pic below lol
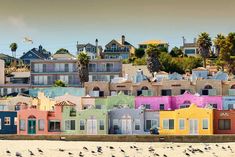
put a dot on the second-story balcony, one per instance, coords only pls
(116, 50)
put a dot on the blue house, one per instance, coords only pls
(228, 102)
(35, 54)
(8, 122)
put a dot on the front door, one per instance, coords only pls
(91, 126)
(126, 126)
(193, 127)
(31, 126)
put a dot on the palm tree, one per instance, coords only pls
(13, 48)
(83, 62)
(204, 46)
(217, 42)
(153, 63)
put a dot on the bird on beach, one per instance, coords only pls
(40, 151)
(8, 152)
(30, 153)
(61, 150)
(122, 150)
(18, 154)
(80, 154)
(85, 148)
(70, 153)
(164, 155)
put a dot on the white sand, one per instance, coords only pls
(51, 149)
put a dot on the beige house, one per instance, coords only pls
(44, 103)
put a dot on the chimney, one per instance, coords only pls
(183, 40)
(40, 48)
(123, 39)
(77, 47)
(97, 47)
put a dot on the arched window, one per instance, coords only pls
(208, 87)
(233, 86)
(96, 89)
(31, 117)
(187, 102)
(144, 88)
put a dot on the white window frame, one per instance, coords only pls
(9, 120)
(137, 122)
(41, 124)
(207, 124)
(181, 119)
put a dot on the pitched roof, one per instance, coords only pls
(200, 69)
(41, 53)
(157, 42)
(4, 56)
(65, 103)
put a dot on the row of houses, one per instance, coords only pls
(120, 114)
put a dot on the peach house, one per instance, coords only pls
(34, 121)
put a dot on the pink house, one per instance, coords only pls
(176, 102)
(153, 102)
(182, 101)
(34, 121)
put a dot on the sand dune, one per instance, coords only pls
(51, 149)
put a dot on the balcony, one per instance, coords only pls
(231, 92)
(116, 50)
(51, 114)
(210, 92)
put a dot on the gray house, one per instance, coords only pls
(132, 121)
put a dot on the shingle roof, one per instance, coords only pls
(65, 103)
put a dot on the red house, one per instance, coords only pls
(224, 121)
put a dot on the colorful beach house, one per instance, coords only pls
(183, 101)
(34, 121)
(224, 122)
(228, 102)
(8, 122)
(118, 101)
(187, 121)
(153, 102)
(84, 122)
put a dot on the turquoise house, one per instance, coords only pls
(53, 92)
(119, 101)
(90, 121)
(228, 102)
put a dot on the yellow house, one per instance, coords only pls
(44, 103)
(187, 121)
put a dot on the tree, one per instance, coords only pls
(59, 83)
(227, 52)
(62, 51)
(176, 52)
(204, 46)
(218, 42)
(83, 62)
(13, 48)
(139, 53)
(153, 63)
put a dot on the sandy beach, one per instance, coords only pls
(115, 149)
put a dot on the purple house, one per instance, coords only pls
(179, 101)
(153, 102)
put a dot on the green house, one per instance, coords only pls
(118, 101)
(84, 122)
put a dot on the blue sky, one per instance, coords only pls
(59, 23)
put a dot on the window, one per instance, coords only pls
(22, 125)
(82, 125)
(70, 125)
(162, 106)
(17, 107)
(115, 124)
(230, 106)
(168, 124)
(150, 124)
(54, 125)
(7, 121)
(0, 124)
(224, 124)
(184, 106)
(166, 92)
(181, 124)
(41, 124)
(15, 121)
(214, 106)
(147, 106)
(137, 124)
(101, 124)
(98, 106)
(205, 124)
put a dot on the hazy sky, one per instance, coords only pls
(61, 23)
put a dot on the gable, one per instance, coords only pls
(30, 55)
(113, 42)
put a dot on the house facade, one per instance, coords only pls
(35, 54)
(118, 49)
(187, 121)
(228, 102)
(8, 122)
(145, 44)
(190, 49)
(224, 122)
(153, 102)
